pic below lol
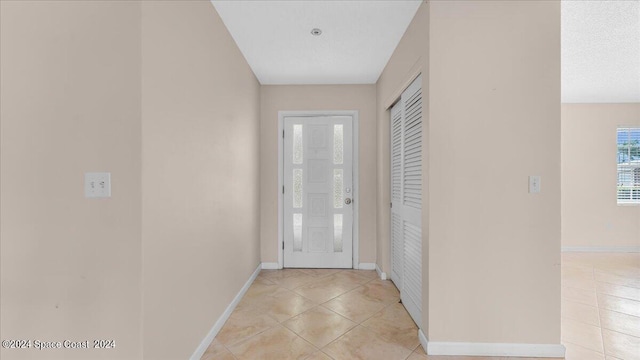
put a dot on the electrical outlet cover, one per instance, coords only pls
(534, 184)
(97, 185)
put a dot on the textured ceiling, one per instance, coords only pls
(600, 51)
(600, 42)
(358, 38)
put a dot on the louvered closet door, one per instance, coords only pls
(406, 197)
(397, 246)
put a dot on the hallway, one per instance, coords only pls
(349, 314)
(158, 156)
(321, 314)
(295, 313)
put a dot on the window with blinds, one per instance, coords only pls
(628, 141)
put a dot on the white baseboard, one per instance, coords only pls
(490, 349)
(423, 340)
(223, 318)
(383, 275)
(598, 249)
(367, 266)
(270, 266)
(493, 349)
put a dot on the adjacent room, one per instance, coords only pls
(600, 154)
(321, 180)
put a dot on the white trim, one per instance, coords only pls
(628, 203)
(597, 249)
(279, 189)
(356, 187)
(412, 74)
(367, 266)
(223, 318)
(271, 266)
(356, 177)
(424, 342)
(494, 349)
(383, 275)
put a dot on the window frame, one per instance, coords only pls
(627, 169)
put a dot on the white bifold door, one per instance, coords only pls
(406, 198)
(318, 192)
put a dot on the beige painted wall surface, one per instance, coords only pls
(410, 58)
(276, 98)
(70, 94)
(200, 122)
(494, 249)
(590, 214)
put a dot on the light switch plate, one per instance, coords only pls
(534, 184)
(97, 185)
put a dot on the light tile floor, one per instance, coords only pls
(601, 306)
(324, 314)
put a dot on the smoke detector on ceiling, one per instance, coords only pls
(316, 32)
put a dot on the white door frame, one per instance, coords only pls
(356, 183)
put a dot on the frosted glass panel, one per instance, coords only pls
(297, 232)
(297, 188)
(338, 143)
(337, 188)
(297, 144)
(337, 233)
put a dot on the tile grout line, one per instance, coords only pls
(580, 322)
(258, 333)
(226, 348)
(250, 337)
(338, 338)
(342, 293)
(621, 333)
(620, 312)
(305, 340)
(580, 289)
(384, 306)
(360, 282)
(617, 297)
(298, 294)
(374, 314)
(381, 335)
(585, 348)
(337, 313)
(612, 283)
(604, 348)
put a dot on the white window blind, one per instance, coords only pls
(628, 159)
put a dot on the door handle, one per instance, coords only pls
(347, 201)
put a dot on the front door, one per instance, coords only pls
(318, 192)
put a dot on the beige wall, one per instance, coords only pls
(200, 124)
(157, 93)
(495, 120)
(276, 98)
(493, 86)
(590, 215)
(410, 58)
(70, 94)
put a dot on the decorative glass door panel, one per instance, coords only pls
(318, 192)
